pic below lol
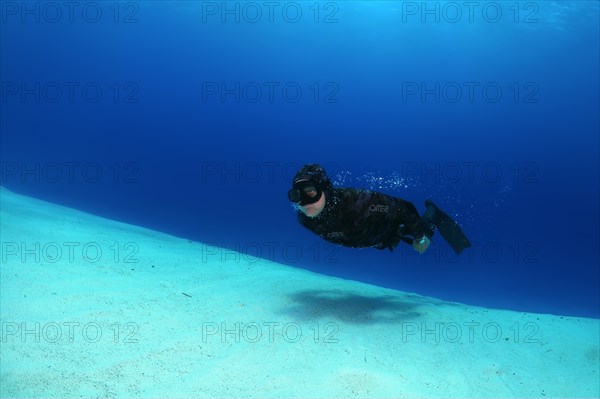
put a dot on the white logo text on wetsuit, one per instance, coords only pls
(335, 234)
(379, 208)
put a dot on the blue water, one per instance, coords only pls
(192, 117)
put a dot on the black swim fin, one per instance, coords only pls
(447, 227)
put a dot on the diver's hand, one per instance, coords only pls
(421, 244)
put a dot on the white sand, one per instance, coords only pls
(369, 341)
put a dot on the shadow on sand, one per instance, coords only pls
(351, 307)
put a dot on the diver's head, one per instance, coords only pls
(308, 189)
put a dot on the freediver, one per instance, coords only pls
(360, 218)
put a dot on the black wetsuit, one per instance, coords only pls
(363, 218)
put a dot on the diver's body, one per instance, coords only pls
(363, 218)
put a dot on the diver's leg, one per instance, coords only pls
(447, 227)
(430, 217)
(430, 212)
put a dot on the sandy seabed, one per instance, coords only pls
(90, 307)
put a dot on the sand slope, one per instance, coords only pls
(132, 312)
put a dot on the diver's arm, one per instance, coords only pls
(414, 225)
(381, 215)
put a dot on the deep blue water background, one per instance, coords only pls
(521, 174)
